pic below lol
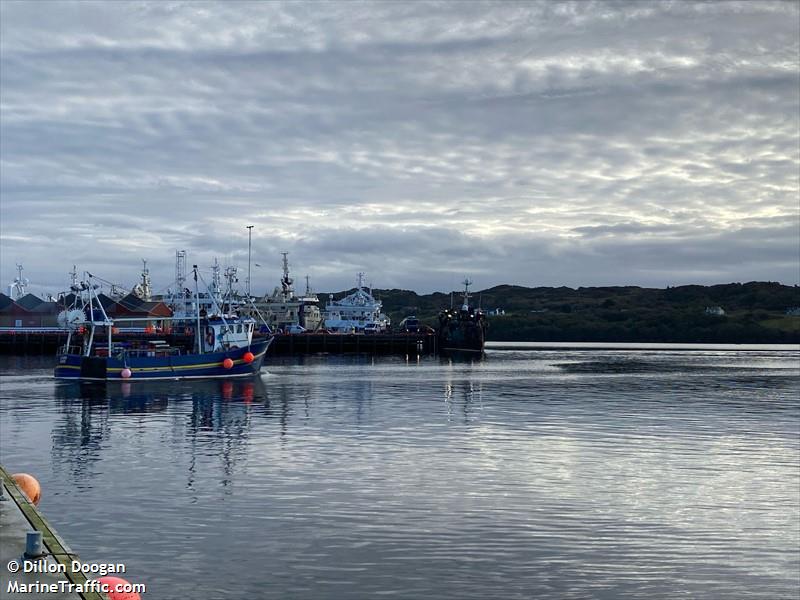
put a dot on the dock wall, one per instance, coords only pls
(39, 342)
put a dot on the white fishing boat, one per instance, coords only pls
(355, 312)
(284, 310)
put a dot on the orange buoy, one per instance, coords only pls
(116, 587)
(29, 486)
(248, 357)
(227, 363)
(126, 373)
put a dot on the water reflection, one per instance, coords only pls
(464, 398)
(615, 476)
(222, 408)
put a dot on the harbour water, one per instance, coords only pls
(557, 473)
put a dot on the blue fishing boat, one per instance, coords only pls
(217, 345)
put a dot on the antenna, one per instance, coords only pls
(286, 281)
(230, 277)
(215, 280)
(249, 248)
(180, 269)
(17, 289)
(145, 289)
(467, 282)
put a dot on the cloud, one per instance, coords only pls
(532, 143)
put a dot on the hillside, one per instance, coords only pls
(755, 312)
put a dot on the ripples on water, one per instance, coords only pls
(550, 474)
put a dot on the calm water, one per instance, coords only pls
(547, 474)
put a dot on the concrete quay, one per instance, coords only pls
(53, 574)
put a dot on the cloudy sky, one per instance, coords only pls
(536, 143)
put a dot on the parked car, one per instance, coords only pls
(409, 325)
(295, 329)
(371, 328)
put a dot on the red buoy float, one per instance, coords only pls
(29, 486)
(248, 357)
(126, 373)
(227, 363)
(116, 587)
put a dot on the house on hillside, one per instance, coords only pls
(716, 311)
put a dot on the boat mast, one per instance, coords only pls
(230, 278)
(87, 344)
(180, 271)
(92, 290)
(467, 282)
(197, 309)
(147, 292)
(215, 280)
(286, 281)
(17, 289)
(249, 248)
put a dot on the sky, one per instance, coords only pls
(533, 143)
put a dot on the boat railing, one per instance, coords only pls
(70, 349)
(151, 352)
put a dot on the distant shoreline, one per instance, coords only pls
(657, 346)
(757, 312)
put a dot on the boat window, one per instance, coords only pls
(239, 328)
(222, 330)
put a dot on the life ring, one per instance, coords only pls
(210, 336)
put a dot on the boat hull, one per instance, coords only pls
(463, 337)
(187, 366)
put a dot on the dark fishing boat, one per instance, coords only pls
(462, 330)
(219, 345)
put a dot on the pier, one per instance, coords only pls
(43, 341)
(355, 343)
(51, 559)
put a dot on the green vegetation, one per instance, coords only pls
(755, 312)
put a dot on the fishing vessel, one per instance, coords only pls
(355, 312)
(462, 330)
(219, 343)
(286, 311)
